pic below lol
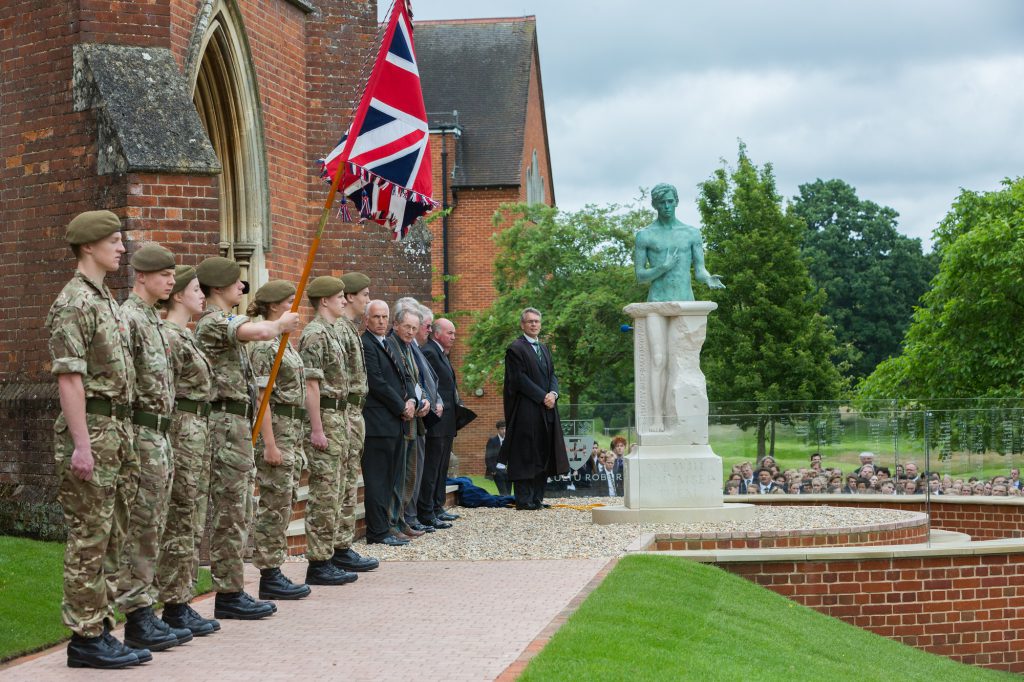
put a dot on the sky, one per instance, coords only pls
(908, 101)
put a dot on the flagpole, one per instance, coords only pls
(346, 152)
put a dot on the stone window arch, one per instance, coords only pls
(226, 95)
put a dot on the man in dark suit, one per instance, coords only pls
(535, 446)
(389, 408)
(440, 436)
(500, 476)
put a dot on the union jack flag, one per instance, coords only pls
(387, 166)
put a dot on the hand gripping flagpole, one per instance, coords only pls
(346, 152)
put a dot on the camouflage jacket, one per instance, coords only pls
(88, 336)
(352, 346)
(324, 358)
(217, 336)
(290, 384)
(193, 375)
(154, 383)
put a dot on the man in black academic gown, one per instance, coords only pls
(534, 446)
(389, 407)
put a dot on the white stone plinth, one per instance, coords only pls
(674, 476)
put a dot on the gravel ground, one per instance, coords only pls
(563, 533)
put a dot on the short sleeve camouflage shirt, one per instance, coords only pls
(193, 375)
(352, 346)
(154, 384)
(324, 358)
(217, 336)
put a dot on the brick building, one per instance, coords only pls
(199, 122)
(485, 104)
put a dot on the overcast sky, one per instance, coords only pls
(906, 100)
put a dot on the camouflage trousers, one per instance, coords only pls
(146, 520)
(350, 471)
(178, 566)
(231, 481)
(326, 485)
(277, 483)
(96, 513)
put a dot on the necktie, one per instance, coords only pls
(540, 356)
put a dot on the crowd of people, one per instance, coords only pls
(156, 426)
(867, 478)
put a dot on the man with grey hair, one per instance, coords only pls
(390, 405)
(534, 447)
(440, 435)
(401, 341)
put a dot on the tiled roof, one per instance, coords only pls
(480, 68)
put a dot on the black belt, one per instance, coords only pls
(194, 406)
(357, 400)
(232, 407)
(106, 408)
(157, 422)
(337, 404)
(293, 411)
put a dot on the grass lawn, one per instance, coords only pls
(663, 618)
(31, 586)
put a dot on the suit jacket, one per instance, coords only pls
(491, 455)
(599, 482)
(534, 442)
(389, 387)
(446, 387)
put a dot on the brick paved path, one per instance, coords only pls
(450, 621)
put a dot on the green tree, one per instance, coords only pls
(768, 344)
(873, 275)
(576, 268)
(966, 339)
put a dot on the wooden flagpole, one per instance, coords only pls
(346, 152)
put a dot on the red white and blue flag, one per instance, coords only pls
(386, 169)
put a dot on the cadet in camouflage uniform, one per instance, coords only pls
(96, 463)
(280, 448)
(357, 297)
(326, 404)
(221, 335)
(178, 566)
(151, 415)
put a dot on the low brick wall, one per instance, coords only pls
(966, 607)
(911, 531)
(983, 518)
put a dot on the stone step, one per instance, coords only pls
(947, 537)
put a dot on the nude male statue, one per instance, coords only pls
(664, 252)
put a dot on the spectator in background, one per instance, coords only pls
(732, 486)
(491, 453)
(747, 477)
(1015, 481)
(883, 473)
(910, 471)
(867, 458)
(608, 481)
(816, 461)
(765, 484)
(619, 450)
(909, 487)
(851, 485)
(887, 487)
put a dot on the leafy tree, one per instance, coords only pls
(576, 268)
(768, 342)
(873, 275)
(966, 339)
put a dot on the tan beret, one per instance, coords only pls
(275, 291)
(355, 282)
(92, 226)
(218, 272)
(324, 286)
(152, 258)
(183, 274)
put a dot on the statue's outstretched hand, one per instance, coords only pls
(715, 282)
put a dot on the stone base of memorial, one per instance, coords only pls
(674, 476)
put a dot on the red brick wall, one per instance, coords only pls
(536, 137)
(964, 607)
(905, 533)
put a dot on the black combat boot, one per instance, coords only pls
(241, 606)
(326, 573)
(182, 617)
(96, 652)
(145, 631)
(275, 585)
(114, 643)
(349, 560)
